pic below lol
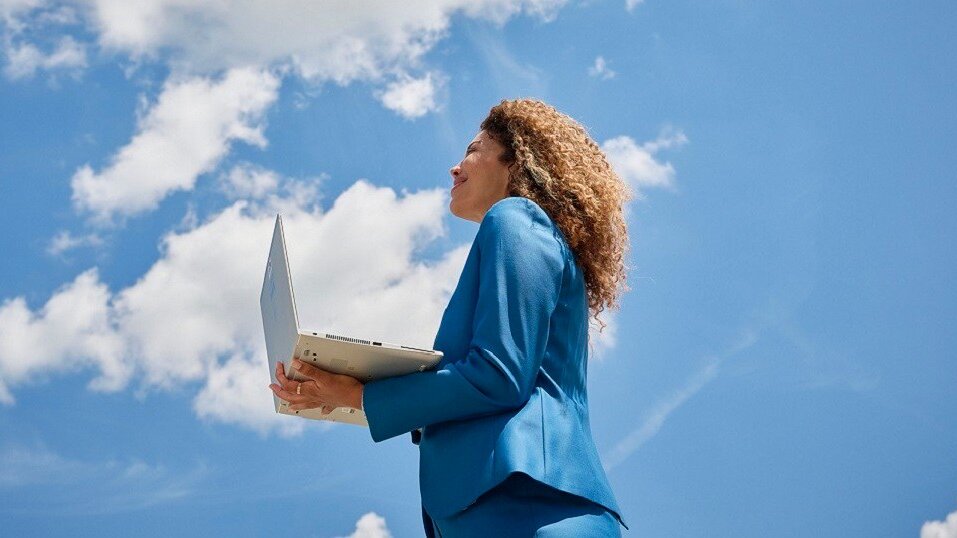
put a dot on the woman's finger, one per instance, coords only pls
(281, 372)
(286, 395)
(286, 383)
(312, 372)
(293, 386)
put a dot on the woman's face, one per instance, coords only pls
(479, 180)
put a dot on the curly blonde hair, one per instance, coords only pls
(554, 162)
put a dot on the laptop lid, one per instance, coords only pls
(277, 303)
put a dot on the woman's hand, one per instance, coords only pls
(323, 389)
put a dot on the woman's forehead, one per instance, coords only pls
(485, 139)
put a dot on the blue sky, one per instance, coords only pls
(784, 364)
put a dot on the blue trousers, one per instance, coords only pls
(522, 507)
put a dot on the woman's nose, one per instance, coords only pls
(455, 171)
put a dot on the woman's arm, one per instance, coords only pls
(520, 277)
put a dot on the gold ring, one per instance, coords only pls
(299, 388)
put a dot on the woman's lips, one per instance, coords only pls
(457, 183)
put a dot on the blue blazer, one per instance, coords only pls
(510, 392)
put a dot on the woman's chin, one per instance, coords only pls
(459, 209)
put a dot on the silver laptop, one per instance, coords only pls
(362, 359)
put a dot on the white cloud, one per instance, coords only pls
(499, 11)
(6, 398)
(64, 241)
(340, 41)
(197, 117)
(22, 19)
(336, 41)
(201, 299)
(24, 60)
(57, 15)
(601, 70)
(370, 525)
(637, 164)
(73, 330)
(247, 180)
(411, 97)
(185, 133)
(235, 394)
(194, 315)
(940, 529)
(11, 12)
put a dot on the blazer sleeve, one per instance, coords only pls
(520, 275)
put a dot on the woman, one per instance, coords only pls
(502, 422)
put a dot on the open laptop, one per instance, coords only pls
(360, 358)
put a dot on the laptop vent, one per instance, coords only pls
(347, 339)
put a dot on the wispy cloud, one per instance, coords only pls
(661, 411)
(24, 60)
(656, 418)
(83, 487)
(601, 70)
(630, 5)
(65, 241)
(507, 72)
(821, 366)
